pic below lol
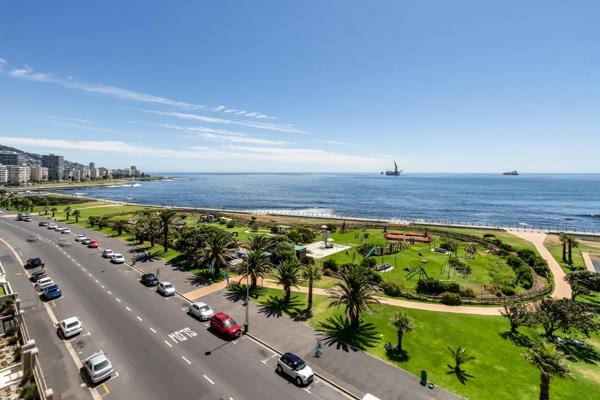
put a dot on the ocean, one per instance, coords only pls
(555, 201)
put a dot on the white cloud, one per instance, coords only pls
(84, 121)
(336, 142)
(220, 108)
(224, 136)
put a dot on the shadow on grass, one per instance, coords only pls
(585, 353)
(398, 356)
(461, 375)
(517, 338)
(237, 292)
(338, 332)
(276, 307)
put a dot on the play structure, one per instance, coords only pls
(408, 237)
(384, 249)
(411, 272)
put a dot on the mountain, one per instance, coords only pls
(36, 159)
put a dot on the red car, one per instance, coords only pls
(225, 325)
(93, 244)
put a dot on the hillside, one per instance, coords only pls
(35, 159)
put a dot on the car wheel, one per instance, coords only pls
(279, 369)
(299, 381)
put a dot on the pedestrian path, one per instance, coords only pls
(589, 265)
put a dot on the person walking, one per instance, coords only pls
(319, 349)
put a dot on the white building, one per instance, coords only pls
(39, 174)
(18, 174)
(3, 175)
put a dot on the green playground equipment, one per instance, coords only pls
(412, 272)
(371, 251)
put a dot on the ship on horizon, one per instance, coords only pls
(394, 172)
(513, 173)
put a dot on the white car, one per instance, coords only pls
(66, 230)
(107, 253)
(58, 228)
(117, 258)
(166, 288)
(98, 367)
(52, 226)
(70, 327)
(293, 366)
(200, 310)
(44, 283)
(80, 238)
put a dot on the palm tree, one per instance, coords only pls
(166, 217)
(256, 265)
(220, 246)
(311, 272)
(260, 243)
(563, 239)
(54, 210)
(76, 214)
(460, 356)
(119, 225)
(46, 209)
(102, 221)
(288, 275)
(550, 362)
(571, 242)
(354, 290)
(67, 211)
(403, 324)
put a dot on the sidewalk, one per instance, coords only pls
(351, 368)
(589, 265)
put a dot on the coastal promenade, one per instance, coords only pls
(589, 265)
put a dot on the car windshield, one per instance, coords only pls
(229, 322)
(204, 308)
(73, 325)
(101, 365)
(150, 276)
(168, 286)
(299, 365)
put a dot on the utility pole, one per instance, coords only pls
(247, 323)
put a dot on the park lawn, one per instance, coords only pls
(552, 243)
(499, 371)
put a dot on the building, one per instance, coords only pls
(133, 171)
(85, 173)
(18, 174)
(9, 158)
(93, 171)
(39, 174)
(55, 165)
(3, 175)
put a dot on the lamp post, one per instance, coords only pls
(247, 322)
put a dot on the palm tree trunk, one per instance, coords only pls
(253, 283)
(288, 294)
(310, 296)
(166, 240)
(544, 386)
(400, 335)
(570, 254)
(564, 251)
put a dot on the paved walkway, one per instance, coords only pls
(561, 288)
(588, 262)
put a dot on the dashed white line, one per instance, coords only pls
(128, 309)
(102, 286)
(90, 275)
(189, 362)
(109, 292)
(168, 344)
(97, 281)
(208, 379)
(118, 299)
(152, 329)
(139, 318)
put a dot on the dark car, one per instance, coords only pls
(34, 262)
(149, 279)
(52, 292)
(37, 275)
(43, 223)
(225, 325)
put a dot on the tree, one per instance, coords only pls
(256, 265)
(571, 242)
(460, 356)
(260, 243)
(563, 240)
(53, 210)
(355, 291)
(67, 211)
(403, 324)
(564, 314)
(192, 243)
(76, 214)
(288, 275)
(311, 272)
(517, 314)
(119, 225)
(102, 221)
(219, 248)
(550, 362)
(166, 217)
(583, 282)
(93, 220)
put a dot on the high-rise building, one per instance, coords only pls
(3, 175)
(55, 165)
(18, 174)
(10, 158)
(39, 174)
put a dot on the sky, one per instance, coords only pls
(304, 86)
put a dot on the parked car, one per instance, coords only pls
(117, 258)
(52, 292)
(58, 228)
(70, 327)
(107, 253)
(166, 288)
(34, 262)
(26, 218)
(201, 311)
(86, 241)
(52, 226)
(43, 223)
(98, 367)
(79, 238)
(37, 275)
(149, 279)
(293, 366)
(66, 230)
(43, 283)
(225, 325)
(93, 244)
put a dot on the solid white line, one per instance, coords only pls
(168, 344)
(118, 299)
(152, 329)
(189, 362)
(208, 379)
(109, 292)
(138, 317)
(128, 309)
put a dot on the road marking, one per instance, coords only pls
(102, 286)
(19, 273)
(128, 309)
(182, 335)
(189, 362)
(138, 317)
(168, 344)
(96, 280)
(208, 379)
(118, 299)
(152, 329)
(52, 304)
(105, 388)
(109, 292)
(90, 275)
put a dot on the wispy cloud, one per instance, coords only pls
(336, 142)
(2, 63)
(213, 120)
(244, 113)
(83, 121)
(224, 136)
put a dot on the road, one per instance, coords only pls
(157, 350)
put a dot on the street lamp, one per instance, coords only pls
(247, 322)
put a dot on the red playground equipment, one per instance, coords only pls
(408, 237)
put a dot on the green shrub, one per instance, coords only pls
(391, 288)
(231, 224)
(451, 299)
(508, 290)
(468, 292)
(434, 287)
(368, 263)
(331, 265)
(514, 262)
(329, 272)
(12, 340)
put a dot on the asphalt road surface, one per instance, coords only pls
(157, 350)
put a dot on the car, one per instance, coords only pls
(66, 230)
(86, 241)
(43, 223)
(52, 292)
(37, 275)
(117, 258)
(107, 253)
(294, 367)
(98, 367)
(93, 244)
(43, 283)
(166, 289)
(80, 237)
(33, 262)
(26, 218)
(201, 311)
(70, 327)
(59, 228)
(225, 325)
(149, 279)
(52, 226)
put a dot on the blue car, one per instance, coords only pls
(52, 292)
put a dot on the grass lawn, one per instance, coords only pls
(499, 371)
(552, 243)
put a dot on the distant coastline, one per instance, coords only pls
(79, 185)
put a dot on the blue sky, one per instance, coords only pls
(461, 86)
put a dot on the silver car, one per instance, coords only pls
(201, 311)
(70, 327)
(98, 367)
(166, 289)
